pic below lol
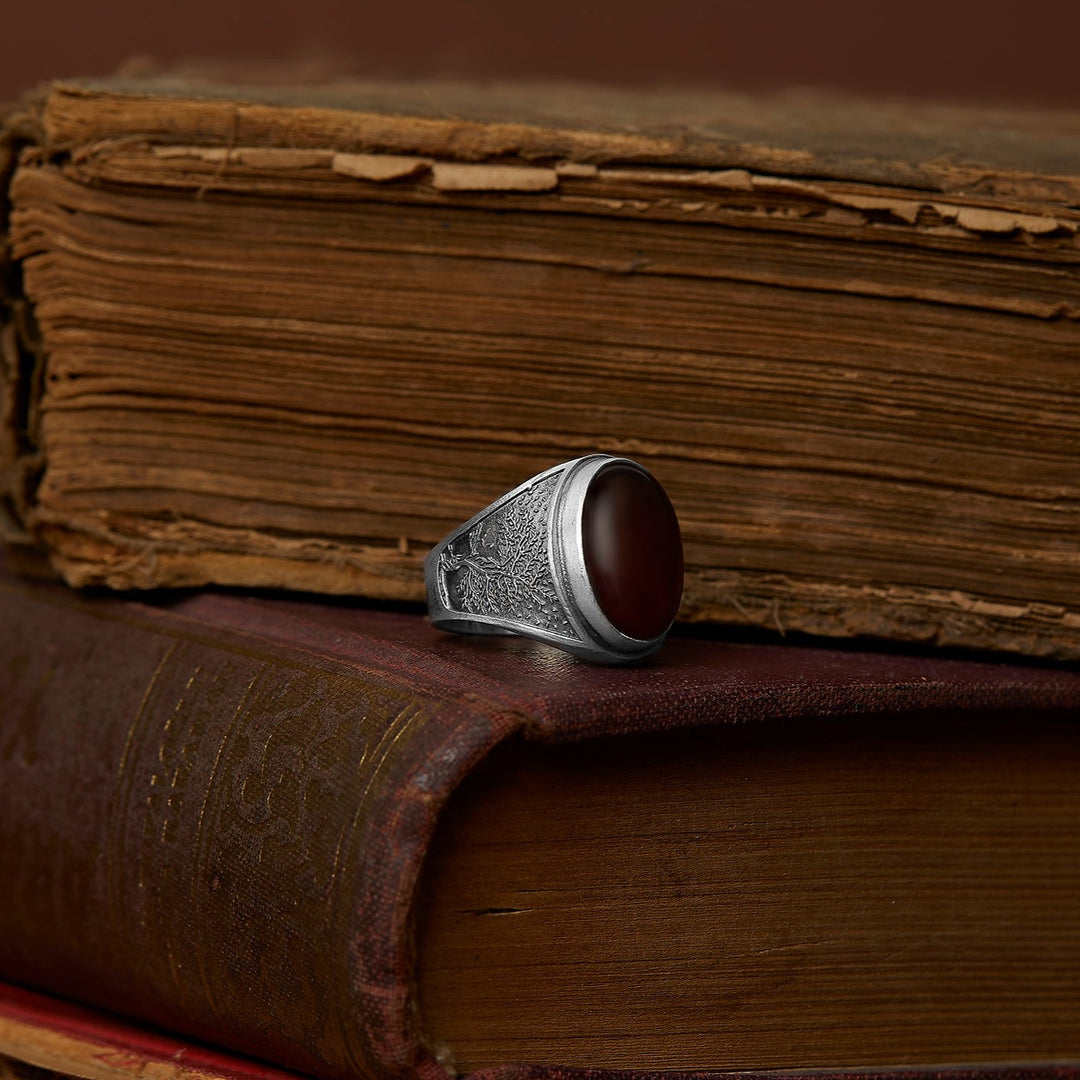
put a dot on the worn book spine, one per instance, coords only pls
(218, 834)
(213, 811)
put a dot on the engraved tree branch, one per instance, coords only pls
(503, 570)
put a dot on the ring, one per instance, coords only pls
(586, 556)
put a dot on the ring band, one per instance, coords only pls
(585, 556)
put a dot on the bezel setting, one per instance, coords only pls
(581, 626)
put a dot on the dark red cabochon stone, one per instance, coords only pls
(633, 550)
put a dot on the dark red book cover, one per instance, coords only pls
(214, 808)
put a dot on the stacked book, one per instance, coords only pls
(261, 348)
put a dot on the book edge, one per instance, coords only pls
(81, 112)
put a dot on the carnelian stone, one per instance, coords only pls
(633, 551)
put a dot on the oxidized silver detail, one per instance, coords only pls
(518, 567)
(500, 567)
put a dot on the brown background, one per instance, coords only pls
(991, 50)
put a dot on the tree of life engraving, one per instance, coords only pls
(500, 567)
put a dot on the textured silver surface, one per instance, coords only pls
(500, 568)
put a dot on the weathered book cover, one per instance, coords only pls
(58, 1038)
(290, 338)
(215, 811)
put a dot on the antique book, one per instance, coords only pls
(44, 1038)
(340, 842)
(288, 337)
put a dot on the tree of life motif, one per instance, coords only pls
(500, 567)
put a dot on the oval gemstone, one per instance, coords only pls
(633, 551)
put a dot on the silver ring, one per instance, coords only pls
(585, 556)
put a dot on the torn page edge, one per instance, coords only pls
(455, 176)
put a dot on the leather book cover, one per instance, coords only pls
(214, 808)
